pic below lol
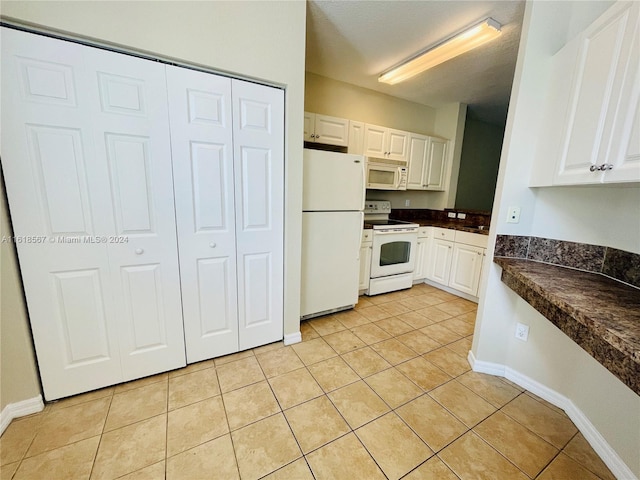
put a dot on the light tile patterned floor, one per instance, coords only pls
(382, 391)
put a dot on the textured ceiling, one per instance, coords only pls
(355, 41)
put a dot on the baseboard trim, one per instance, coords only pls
(19, 409)
(608, 455)
(292, 338)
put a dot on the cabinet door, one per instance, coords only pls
(596, 83)
(356, 137)
(258, 136)
(465, 268)
(440, 257)
(437, 161)
(86, 157)
(418, 162)
(627, 166)
(397, 145)
(202, 150)
(422, 253)
(332, 130)
(375, 141)
(624, 153)
(365, 265)
(309, 127)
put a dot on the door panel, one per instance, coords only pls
(256, 184)
(217, 315)
(81, 317)
(437, 158)
(131, 133)
(80, 113)
(129, 166)
(258, 133)
(375, 141)
(592, 88)
(58, 161)
(440, 267)
(143, 307)
(55, 191)
(465, 268)
(201, 142)
(398, 145)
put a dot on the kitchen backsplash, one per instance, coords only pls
(473, 217)
(614, 263)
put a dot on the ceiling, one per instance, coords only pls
(355, 41)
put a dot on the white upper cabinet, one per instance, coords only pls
(325, 129)
(356, 137)
(599, 143)
(427, 160)
(383, 142)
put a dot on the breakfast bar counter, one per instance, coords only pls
(600, 314)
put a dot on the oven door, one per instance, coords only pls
(393, 252)
(383, 177)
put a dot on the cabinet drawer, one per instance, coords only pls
(475, 239)
(367, 235)
(424, 232)
(444, 234)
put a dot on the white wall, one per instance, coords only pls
(263, 40)
(600, 215)
(339, 99)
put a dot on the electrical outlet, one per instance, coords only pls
(407, 202)
(513, 215)
(451, 214)
(522, 332)
(462, 216)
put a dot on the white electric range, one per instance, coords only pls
(393, 256)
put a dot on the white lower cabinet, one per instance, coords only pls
(92, 154)
(441, 252)
(422, 253)
(365, 259)
(465, 268)
(455, 259)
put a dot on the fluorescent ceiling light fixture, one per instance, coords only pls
(463, 42)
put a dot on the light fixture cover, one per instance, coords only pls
(467, 40)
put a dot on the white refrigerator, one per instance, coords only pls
(332, 203)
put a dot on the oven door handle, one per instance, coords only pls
(394, 232)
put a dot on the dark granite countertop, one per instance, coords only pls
(454, 226)
(450, 225)
(600, 314)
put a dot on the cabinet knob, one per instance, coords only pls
(478, 253)
(594, 168)
(212, 245)
(606, 166)
(139, 251)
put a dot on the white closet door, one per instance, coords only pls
(258, 135)
(201, 141)
(78, 168)
(130, 123)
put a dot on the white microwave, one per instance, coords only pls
(383, 174)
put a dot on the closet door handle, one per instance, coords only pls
(139, 251)
(212, 245)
